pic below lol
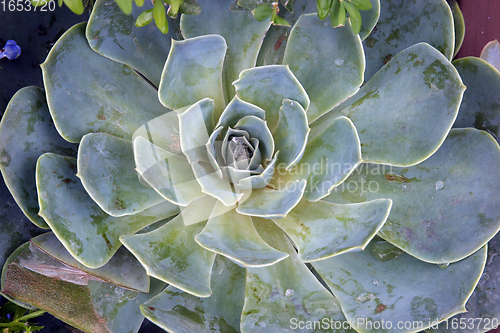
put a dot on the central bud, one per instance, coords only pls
(240, 148)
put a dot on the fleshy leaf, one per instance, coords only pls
(315, 62)
(122, 269)
(170, 254)
(26, 132)
(447, 187)
(217, 17)
(290, 135)
(259, 180)
(195, 126)
(267, 87)
(237, 109)
(480, 106)
(199, 210)
(483, 306)
(88, 233)
(180, 312)
(169, 174)
(163, 131)
(428, 21)
(107, 97)
(373, 284)
(328, 160)
(113, 34)
(369, 19)
(491, 53)
(273, 203)
(279, 297)
(214, 186)
(321, 229)
(73, 295)
(213, 145)
(234, 236)
(106, 168)
(274, 44)
(459, 23)
(257, 128)
(403, 113)
(193, 71)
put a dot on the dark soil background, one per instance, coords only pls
(36, 32)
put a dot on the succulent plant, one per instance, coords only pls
(277, 180)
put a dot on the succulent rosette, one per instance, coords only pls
(273, 178)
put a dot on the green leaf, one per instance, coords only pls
(280, 297)
(114, 35)
(361, 4)
(483, 305)
(288, 4)
(426, 21)
(181, 312)
(337, 13)
(291, 133)
(321, 229)
(328, 160)
(234, 236)
(263, 11)
(237, 109)
(122, 269)
(354, 17)
(88, 233)
(491, 53)
(428, 91)
(174, 7)
(107, 97)
(199, 210)
(195, 65)
(26, 132)
(217, 17)
(280, 21)
(144, 18)
(315, 61)
(215, 186)
(171, 254)
(369, 19)
(190, 7)
(195, 126)
(139, 3)
(247, 180)
(83, 302)
(167, 173)
(106, 168)
(323, 8)
(275, 41)
(257, 128)
(213, 145)
(447, 186)
(267, 87)
(372, 286)
(273, 204)
(459, 23)
(125, 6)
(76, 6)
(160, 16)
(252, 4)
(481, 103)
